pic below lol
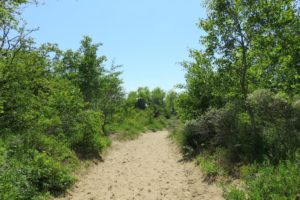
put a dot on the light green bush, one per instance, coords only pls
(33, 165)
(88, 139)
(208, 165)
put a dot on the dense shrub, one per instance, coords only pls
(276, 129)
(46, 174)
(33, 176)
(88, 139)
(14, 183)
(33, 165)
(223, 139)
(269, 107)
(276, 121)
(214, 128)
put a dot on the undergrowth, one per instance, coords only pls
(133, 125)
(266, 161)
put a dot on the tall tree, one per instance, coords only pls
(258, 41)
(111, 96)
(247, 45)
(90, 69)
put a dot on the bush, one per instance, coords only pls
(20, 145)
(33, 176)
(46, 174)
(276, 121)
(88, 139)
(276, 133)
(269, 107)
(14, 183)
(156, 124)
(213, 129)
(33, 165)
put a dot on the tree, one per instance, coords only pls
(89, 70)
(101, 88)
(170, 100)
(203, 86)
(111, 96)
(143, 98)
(157, 102)
(247, 45)
(14, 37)
(241, 36)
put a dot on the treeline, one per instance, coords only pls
(241, 100)
(57, 107)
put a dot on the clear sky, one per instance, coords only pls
(148, 38)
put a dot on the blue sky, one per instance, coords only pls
(148, 38)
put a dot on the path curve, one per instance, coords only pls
(147, 168)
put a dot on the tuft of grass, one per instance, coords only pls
(208, 165)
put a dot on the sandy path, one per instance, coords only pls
(144, 169)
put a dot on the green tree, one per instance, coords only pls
(247, 45)
(111, 95)
(241, 36)
(143, 98)
(14, 37)
(170, 100)
(89, 70)
(203, 87)
(157, 101)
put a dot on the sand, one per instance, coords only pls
(148, 168)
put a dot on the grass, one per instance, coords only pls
(132, 126)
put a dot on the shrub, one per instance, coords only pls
(269, 107)
(46, 174)
(213, 129)
(276, 121)
(20, 145)
(88, 139)
(33, 176)
(296, 120)
(34, 164)
(234, 193)
(156, 124)
(14, 183)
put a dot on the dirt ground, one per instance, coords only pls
(148, 168)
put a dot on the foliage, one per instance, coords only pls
(142, 110)
(208, 166)
(270, 182)
(88, 138)
(101, 88)
(53, 107)
(58, 106)
(276, 122)
(242, 96)
(170, 103)
(32, 164)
